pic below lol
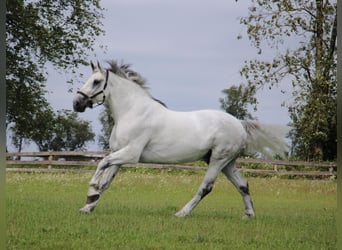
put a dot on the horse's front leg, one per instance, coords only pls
(101, 167)
(104, 174)
(97, 185)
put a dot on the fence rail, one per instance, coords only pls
(91, 158)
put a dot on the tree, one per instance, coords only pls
(59, 32)
(304, 34)
(28, 104)
(237, 100)
(63, 131)
(107, 125)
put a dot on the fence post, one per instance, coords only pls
(331, 170)
(50, 159)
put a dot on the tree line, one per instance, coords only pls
(63, 32)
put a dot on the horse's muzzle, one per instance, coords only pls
(80, 103)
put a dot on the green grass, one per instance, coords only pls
(137, 213)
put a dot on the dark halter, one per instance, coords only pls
(89, 98)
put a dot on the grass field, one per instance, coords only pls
(137, 213)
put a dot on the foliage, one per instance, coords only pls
(304, 35)
(25, 103)
(107, 122)
(40, 32)
(237, 100)
(63, 131)
(60, 32)
(136, 212)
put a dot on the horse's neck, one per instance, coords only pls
(125, 97)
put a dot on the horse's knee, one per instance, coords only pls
(244, 190)
(103, 164)
(206, 189)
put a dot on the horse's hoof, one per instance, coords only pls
(248, 216)
(180, 214)
(85, 210)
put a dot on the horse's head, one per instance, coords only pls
(93, 90)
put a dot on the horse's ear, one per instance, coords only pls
(99, 66)
(92, 65)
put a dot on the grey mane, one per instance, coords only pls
(124, 70)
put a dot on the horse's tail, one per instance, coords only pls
(265, 139)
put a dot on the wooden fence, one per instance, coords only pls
(91, 158)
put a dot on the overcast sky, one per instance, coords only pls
(186, 49)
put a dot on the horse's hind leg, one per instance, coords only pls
(204, 189)
(241, 185)
(97, 185)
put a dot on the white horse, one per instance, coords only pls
(146, 131)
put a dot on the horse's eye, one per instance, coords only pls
(96, 82)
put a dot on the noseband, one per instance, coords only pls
(89, 98)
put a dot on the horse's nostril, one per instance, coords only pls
(77, 105)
